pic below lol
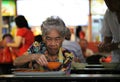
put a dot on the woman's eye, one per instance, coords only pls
(48, 38)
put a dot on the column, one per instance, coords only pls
(0, 19)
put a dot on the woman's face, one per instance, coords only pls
(6, 40)
(53, 41)
(83, 44)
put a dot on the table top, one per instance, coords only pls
(64, 77)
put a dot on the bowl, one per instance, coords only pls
(53, 65)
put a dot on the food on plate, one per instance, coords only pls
(53, 65)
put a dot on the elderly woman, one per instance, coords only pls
(50, 50)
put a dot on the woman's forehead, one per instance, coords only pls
(8, 37)
(53, 32)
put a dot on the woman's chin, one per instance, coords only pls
(52, 51)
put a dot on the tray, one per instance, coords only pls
(58, 73)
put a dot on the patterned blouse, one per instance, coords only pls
(64, 56)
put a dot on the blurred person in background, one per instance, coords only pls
(111, 29)
(73, 47)
(53, 34)
(80, 34)
(78, 30)
(5, 64)
(24, 37)
(38, 38)
(6, 39)
(85, 50)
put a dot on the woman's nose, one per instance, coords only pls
(53, 42)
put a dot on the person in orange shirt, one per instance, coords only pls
(5, 55)
(24, 37)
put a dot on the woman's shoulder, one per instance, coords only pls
(67, 53)
(21, 30)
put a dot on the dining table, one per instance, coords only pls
(61, 78)
(88, 73)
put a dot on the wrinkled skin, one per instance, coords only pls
(53, 42)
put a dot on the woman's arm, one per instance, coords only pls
(17, 43)
(21, 60)
(39, 58)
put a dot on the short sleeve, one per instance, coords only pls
(21, 32)
(105, 30)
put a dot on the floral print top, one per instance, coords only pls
(64, 56)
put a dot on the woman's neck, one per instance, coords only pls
(52, 57)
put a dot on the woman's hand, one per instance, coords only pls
(101, 47)
(41, 59)
(107, 47)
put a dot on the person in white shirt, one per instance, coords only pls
(111, 30)
(74, 47)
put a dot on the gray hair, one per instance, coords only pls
(53, 23)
